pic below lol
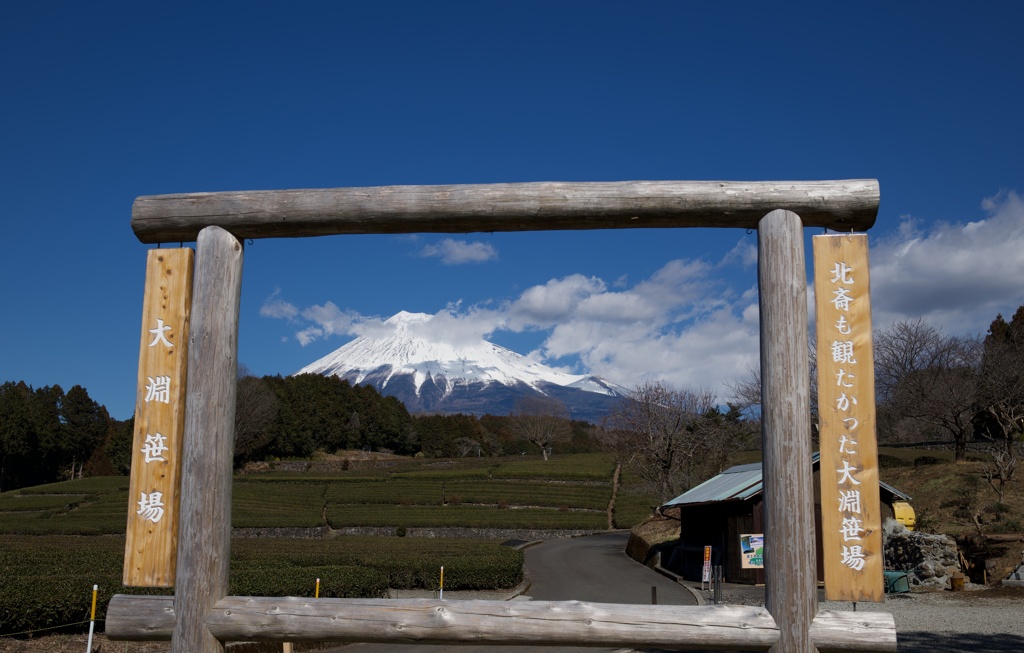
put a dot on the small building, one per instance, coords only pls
(721, 509)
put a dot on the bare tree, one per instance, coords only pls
(671, 438)
(747, 391)
(465, 446)
(542, 421)
(1000, 468)
(926, 382)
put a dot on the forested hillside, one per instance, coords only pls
(49, 435)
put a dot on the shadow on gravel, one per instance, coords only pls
(920, 642)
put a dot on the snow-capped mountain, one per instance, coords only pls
(430, 376)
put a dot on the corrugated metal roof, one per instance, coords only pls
(736, 483)
(740, 483)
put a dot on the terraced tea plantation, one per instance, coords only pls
(57, 540)
(564, 493)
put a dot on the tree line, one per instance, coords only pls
(49, 435)
(297, 416)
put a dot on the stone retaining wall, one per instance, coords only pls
(929, 560)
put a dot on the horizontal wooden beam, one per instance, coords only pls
(847, 205)
(548, 623)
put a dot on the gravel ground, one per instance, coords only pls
(977, 620)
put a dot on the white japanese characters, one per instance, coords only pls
(154, 448)
(151, 506)
(160, 334)
(844, 354)
(158, 389)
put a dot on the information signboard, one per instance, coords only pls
(752, 551)
(850, 505)
(152, 531)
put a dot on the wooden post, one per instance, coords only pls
(790, 584)
(204, 538)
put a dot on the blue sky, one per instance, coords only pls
(104, 101)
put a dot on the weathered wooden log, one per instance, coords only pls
(204, 544)
(140, 618)
(429, 621)
(840, 632)
(843, 205)
(789, 564)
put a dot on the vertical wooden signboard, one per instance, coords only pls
(152, 533)
(850, 507)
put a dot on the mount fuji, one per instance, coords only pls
(430, 376)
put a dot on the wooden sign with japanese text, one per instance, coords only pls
(850, 505)
(152, 533)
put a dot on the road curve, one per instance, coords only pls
(593, 568)
(596, 568)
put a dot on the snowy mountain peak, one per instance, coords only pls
(413, 356)
(412, 345)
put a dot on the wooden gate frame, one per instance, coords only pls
(201, 617)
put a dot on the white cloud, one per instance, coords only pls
(277, 308)
(557, 300)
(955, 276)
(308, 335)
(744, 253)
(457, 252)
(684, 325)
(322, 321)
(331, 319)
(459, 329)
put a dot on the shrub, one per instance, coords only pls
(341, 581)
(886, 461)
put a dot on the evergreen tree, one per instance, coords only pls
(118, 446)
(1001, 392)
(45, 417)
(18, 446)
(84, 424)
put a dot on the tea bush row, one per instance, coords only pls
(47, 581)
(432, 492)
(339, 515)
(575, 467)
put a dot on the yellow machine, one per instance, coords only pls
(903, 512)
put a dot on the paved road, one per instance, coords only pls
(597, 569)
(593, 568)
